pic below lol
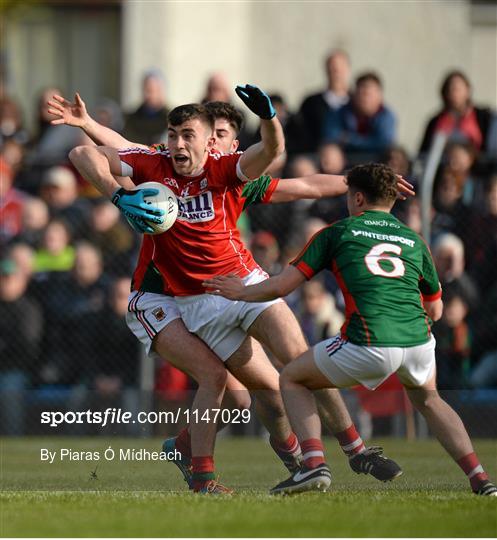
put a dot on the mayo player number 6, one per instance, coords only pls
(377, 254)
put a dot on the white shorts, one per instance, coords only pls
(346, 364)
(148, 313)
(221, 323)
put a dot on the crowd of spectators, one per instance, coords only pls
(66, 254)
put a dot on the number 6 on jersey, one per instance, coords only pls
(377, 254)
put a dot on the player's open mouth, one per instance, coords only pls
(180, 159)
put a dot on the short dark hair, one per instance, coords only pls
(369, 76)
(191, 111)
(226, 111)
(376, 181)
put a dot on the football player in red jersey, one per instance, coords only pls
(273, 191)
(208, 187)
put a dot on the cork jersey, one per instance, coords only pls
(204, 240)
(148, 278)
(384, 270)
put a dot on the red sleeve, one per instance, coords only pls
(144, 164)
(226, 167)
(432, 297)
(308, 272)
(270, 190)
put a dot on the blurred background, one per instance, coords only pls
(411, 84)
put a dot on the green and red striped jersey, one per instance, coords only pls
(384, 270)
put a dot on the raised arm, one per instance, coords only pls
(257, 158)
(75, 114)
(314, 186)
(99, 165)
(317, 186)
(233, 288)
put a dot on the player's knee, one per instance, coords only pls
(271, 402)
(274, 410)
(215, 377)
(425, 401)
(289, 376)
(241, 400)
(237, 400)
(286, 378)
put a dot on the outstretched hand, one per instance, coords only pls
(72, 114)
(256, 100)
(230, 286)
(404, 188)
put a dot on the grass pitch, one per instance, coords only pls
(148, 499)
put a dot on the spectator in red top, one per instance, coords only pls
(459, 117)
(11, 204)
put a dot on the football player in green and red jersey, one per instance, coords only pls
(391, 291)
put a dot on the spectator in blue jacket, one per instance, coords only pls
(364, 124)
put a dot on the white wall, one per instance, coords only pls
(484, 64)
(281, 46)
(188, 41)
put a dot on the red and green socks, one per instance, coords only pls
(203, 471)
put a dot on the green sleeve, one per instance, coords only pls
(319, 252)
(258, 191)
(429, 284)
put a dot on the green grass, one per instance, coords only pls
(150, 499)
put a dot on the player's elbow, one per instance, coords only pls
(437, 315)
(280, 147)
(77, 154)
(82, 154)
(434, 310)
(276, 149)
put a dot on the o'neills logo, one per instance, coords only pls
(196, 209)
